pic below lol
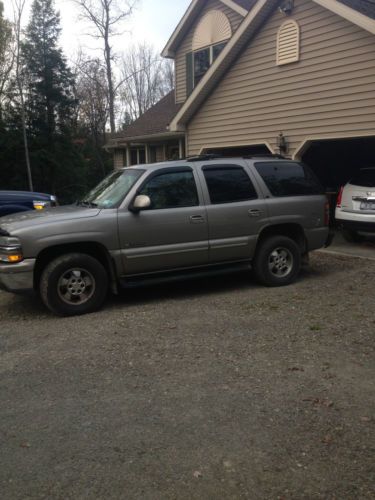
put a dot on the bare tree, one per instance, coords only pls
(92, 97)
(18, 8)
(145, 79)
(106, 18)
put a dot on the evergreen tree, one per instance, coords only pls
(50, 104)
(49, 80)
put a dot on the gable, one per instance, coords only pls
(186, 45)
(251, 24)
(330, 90)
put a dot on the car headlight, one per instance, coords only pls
(10, 250)
(39, 205)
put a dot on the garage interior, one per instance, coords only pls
(336, 161)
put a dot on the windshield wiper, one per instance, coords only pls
(85, 203)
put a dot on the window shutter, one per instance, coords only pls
(189, 74)
(288, 43)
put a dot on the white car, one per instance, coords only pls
(355, 207)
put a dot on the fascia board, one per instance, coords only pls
(234, 6)
(349, 14)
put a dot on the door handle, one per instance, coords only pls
(196, 219)
(253, 212)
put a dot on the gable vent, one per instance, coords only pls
(288, 43)
(213, 28)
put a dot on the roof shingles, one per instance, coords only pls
(155, 120)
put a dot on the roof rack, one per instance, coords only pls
(204, 157)
(266, 155)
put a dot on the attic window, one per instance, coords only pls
(288, 43)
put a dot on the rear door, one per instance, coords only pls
(236, 211)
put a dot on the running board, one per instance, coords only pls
(171, 277)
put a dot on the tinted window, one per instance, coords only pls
(365, 178)
(171, 190)
(228, 184)
(288, 178)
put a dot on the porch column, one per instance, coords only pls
(181, 148)
(147, 153)
(138, 158)
(164, 152)
(128, 156)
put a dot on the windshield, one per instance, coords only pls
(113, 189)
(365, 178)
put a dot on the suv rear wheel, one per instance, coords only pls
(277, 261)
(74, 284)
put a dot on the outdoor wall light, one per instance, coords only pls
(282, 143)
(286, 7)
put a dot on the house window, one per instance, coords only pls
(203, 60)
(210, 37)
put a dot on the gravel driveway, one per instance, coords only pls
(216, 389)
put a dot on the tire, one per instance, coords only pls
(74, 284)
(352, 236)
(277, 261)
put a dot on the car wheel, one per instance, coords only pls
(277, 261)
(352, 236)
(74, 284)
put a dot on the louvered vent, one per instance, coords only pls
(288, 43)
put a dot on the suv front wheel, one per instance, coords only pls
(74, 284)
(277, 261)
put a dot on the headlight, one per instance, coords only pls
(10, 250)
(39, 205)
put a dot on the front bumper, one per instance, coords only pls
(17, 278)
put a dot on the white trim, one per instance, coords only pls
(236, 145)
(349, 13)
(302, 148)
(234, 6)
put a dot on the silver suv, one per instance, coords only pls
(201, 216)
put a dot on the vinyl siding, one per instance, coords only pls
(185, 47)
(330, 91)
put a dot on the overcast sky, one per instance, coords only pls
(153, 21)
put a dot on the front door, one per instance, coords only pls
(173, 232)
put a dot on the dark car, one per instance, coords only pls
(19, 201)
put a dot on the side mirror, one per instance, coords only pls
(141, 202)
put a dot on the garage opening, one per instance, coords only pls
(335, 162)
(254, 149)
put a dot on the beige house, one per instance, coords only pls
(291, 77)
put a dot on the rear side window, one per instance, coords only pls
(365, 178)
(228, 184)
(289, 178)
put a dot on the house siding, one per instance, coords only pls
(329, 92)
(186, 45)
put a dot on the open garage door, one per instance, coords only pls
(230, 151)
(337, 161)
